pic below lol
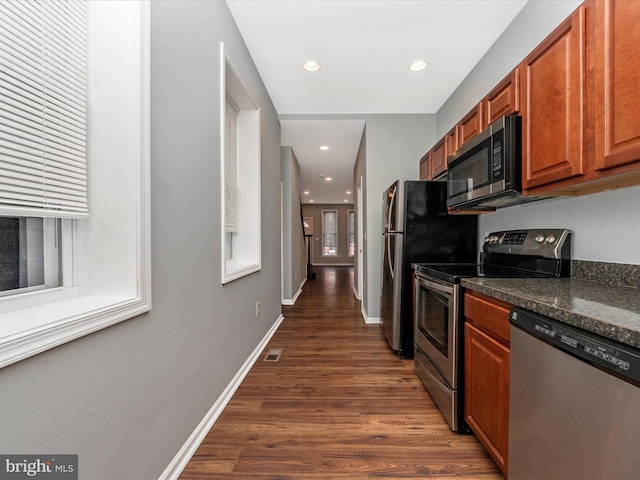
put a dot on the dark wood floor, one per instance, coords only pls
(338, 405)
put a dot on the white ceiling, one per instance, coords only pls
(365, 48)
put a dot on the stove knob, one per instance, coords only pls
(540, 239)
(551, 239)
(494, 239)
(487, 239)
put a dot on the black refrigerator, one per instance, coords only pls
(417, 229)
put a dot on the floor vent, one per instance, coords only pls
(273, 355)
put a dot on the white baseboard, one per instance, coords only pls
(370, 320)
(286, 301)
(355, 293)
(180, 461)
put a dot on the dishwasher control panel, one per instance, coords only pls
(614, 357)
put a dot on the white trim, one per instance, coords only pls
(295, 297)
(369, 320)
(355, 292)
(34, 330)
(247, 244)
(182, 458)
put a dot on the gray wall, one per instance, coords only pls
(605, 225)
(126, 398)
(294, 261)
(315, 211)
(535, 21)
(360, 175)
(394, 146)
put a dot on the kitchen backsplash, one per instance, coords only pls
(611, 273)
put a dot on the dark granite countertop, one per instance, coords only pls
(609, 310)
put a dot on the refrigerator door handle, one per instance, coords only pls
(393, 276)
(391, 202)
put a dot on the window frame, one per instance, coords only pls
(108, 294)
(244, 255)
(335, 255)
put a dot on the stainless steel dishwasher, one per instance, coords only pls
(574, 408)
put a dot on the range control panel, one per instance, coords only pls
(548, 243)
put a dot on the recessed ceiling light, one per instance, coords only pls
(328, 179)
(306, 192)
(418, 65)
(348, 192)
(310, 201)
(324, 147)
(311, 66)
(346, 201)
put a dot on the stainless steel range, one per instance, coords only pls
(438, 318)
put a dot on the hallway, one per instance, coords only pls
(339, 404)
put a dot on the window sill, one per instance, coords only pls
(34, 330)
(236, 272)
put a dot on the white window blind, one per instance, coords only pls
(231, 206)
(43, 108)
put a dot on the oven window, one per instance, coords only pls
(433, 321)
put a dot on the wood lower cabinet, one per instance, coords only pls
(486, 382)
(552, 103)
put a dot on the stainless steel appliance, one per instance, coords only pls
(574, 408)
(439, 308)
(485, 173)
(416, 228)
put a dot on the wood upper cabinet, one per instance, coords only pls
(504, 99)
(552, 105)
(471, 124)
(486, 383)
(438, 158)
(424, 167)
(617, 83)
(434, 163)
(451, 142)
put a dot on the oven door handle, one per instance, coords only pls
(445, 289)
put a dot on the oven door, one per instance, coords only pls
(436, 326)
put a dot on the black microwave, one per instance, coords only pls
(485, 173)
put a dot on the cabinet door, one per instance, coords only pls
(486, 407)
(617, 83)
(451, 142)
(424, 167)
(553, 105)
(438, 159)
(504, 99)
(471, 124)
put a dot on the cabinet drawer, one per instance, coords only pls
(488, 313)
